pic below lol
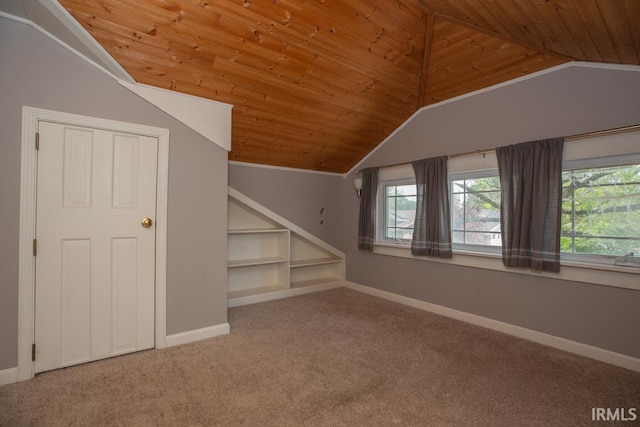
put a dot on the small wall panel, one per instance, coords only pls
(76, 301)
(124, 285)
(78, 145)
(125, 171)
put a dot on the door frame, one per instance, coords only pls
(26, 261)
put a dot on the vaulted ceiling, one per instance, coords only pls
(317, 84)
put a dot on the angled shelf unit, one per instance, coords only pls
(257, 253)
(270, 258)
(311, 264)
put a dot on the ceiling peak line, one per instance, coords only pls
(426, 56)
(468, 95)
(431, 11)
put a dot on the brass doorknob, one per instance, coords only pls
(147, 222)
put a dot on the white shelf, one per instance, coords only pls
(255, 291)
(257, 247)
(270, 258)
(255, 261)
(314, 261)
(314, 282)
(259, 276)
(258, 230)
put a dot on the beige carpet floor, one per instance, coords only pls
(333, 358)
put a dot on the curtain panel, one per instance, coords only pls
(531, 192)
(432, 229)
(367, 217)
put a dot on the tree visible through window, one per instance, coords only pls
(601, 210)
(600, 218)
(400, 211)
(475, 211)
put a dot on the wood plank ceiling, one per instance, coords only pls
(317, 84)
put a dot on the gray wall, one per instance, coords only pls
(565, 102)
(297, 196)
(36, 72)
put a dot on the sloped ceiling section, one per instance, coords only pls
(317, 84)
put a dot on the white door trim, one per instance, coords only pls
(26, 264)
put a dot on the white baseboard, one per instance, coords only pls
(197, 334)
(575, 347)
(8, 376)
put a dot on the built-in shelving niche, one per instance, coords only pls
(270, 257)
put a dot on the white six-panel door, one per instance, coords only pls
(95, 261)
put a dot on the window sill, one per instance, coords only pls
(599, 274)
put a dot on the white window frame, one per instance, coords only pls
(381, 221)
(390, 175)
(622, 144)
(600, 162)
(470, 247)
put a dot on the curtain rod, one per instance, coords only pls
(571, 138)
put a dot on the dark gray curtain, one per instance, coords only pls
(367, 218)
(531, 192)
(432, 230)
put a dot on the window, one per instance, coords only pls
(398, 205)
(475, 211)
(601, 209)
(600, 221)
